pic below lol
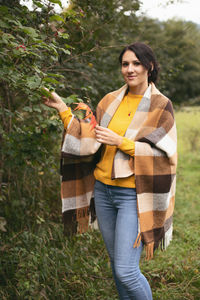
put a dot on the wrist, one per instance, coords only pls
(62, 107)
(120, 140)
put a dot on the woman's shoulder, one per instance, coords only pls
(109, 97)
(158, 99)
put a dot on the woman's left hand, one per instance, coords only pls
(107, 136)
(55, 101)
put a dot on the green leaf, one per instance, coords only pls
(37, 70)
(63, 35)
(56, 2)
(65, 51)
(27, 108)
(34, 54)
(72, 99)
(8, 36)
(45, 93)
(30, 31)
(37, 109)
(55, 75)
(51, 80)
(3, 24)
(38, 41)
(38, 4)
(33, 82)
(68, 46)
(3, 9)
(57, 18)
(16, 23)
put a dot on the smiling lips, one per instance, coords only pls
(131, 77)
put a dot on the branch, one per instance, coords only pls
(96, 48)
(74, 71)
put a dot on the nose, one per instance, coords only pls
(130, 68)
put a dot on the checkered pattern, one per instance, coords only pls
(154, 165)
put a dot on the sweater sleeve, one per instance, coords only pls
(127, 146)
(66, 117)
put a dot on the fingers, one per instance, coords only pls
(55, 97)
(53, 100)
(46, 100)
(102, 130)
(107, 136)
(52, 96)
(104, 135)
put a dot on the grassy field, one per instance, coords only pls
(40, 263)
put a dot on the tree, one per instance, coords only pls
(97, 40)
(75, 52)
(102, 32)
(181, 61)
(31, 42)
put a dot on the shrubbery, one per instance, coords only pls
(76, 53)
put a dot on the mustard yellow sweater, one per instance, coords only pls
(118, 124)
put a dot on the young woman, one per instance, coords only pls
(134, 179)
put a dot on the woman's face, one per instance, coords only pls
(134, 73)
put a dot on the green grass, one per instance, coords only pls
(188, 125)
(40, 263)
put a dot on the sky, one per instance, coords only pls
(187, 10)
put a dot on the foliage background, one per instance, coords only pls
(76, 52)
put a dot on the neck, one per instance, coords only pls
(139, 89)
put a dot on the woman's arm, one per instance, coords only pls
(56, 102)
(107, 136)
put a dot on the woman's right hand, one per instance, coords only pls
(55, 101)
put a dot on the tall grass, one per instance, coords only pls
(40, 263)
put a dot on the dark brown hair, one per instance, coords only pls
(147, 58)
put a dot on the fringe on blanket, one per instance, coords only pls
(137, 241)
(167, 238)
(164, 243)
(149, 250)
(149, 247)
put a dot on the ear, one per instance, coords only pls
(150, 69)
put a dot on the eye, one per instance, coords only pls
(137, 63)
(125, 64)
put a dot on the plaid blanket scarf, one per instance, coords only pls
(154, 165)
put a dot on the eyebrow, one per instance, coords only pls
(136, 60)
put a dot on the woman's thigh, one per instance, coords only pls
(126, 231)
(106, 216)
(116, 209)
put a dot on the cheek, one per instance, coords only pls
(144, 73)
(123, 74)
(122, 71)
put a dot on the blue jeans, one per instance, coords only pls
(116, 209)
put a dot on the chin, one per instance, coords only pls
(132, 84)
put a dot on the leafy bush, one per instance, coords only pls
(46, 265)
(66, 51)
(30, 132)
